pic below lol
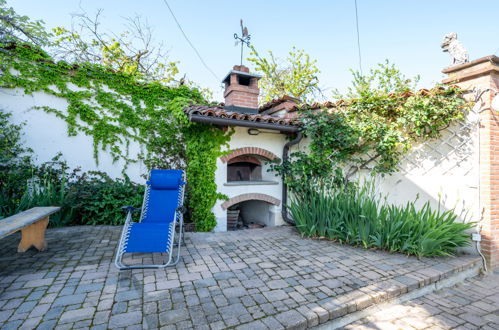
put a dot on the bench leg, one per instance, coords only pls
(34, 234)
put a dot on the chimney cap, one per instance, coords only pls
(240, 73)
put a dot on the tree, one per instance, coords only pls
(15, 28)
(295, 76)
(132, 51)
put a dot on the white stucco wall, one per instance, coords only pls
(444, 170)
(47, 135)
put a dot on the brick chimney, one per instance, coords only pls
(241, 90)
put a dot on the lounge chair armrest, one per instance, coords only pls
(130, 209)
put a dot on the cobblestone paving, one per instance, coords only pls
(473, 304)
(255, 279)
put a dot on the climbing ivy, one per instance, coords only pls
(371, 127)
(116, 108)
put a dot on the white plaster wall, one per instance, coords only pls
(268, 140)
(450, 175)
(444, 172)
(47, 135)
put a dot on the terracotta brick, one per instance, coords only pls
(248, 197)
(250, 151)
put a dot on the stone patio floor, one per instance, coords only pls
(254, 279)
(473, 304)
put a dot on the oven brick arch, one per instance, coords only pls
(248, 197)
(250, 151)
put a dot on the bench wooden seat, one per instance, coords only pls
(32, 223)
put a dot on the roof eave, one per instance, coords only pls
(244, 123)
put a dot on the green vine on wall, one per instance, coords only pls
(116, 109)
(372, 126)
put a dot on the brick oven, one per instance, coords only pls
(244, 174)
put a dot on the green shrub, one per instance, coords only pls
(96, 199)
(85, 198)
(355, 214)
(46, 193)
(15, 165)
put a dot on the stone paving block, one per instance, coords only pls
(310, 283)
(36, 295)
(150, 321)
(173, 316)
(12, 303)
(127, 295)
(234, 292)
(89, 287)
(233, 311)
(77, 315)
(14, 325)
(275, 295)
(39, 310)
(38, 283)
(277, 284)
(163, 285)
(26, 307)
(69, 300)
(4, 315)
(47, 325)
(101, 317)
(238, 265)
(9, 294)
(125, 319)
(292, 320)
(120, 307)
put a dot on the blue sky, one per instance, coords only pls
(408, 33)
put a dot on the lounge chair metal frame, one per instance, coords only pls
(178, 220)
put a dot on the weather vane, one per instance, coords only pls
(244, 39)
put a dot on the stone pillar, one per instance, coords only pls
(483, 75)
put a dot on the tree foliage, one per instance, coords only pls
(295, 76)
(133, 51)
(19, 28)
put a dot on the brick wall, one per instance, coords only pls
(483, 74)
(250, 151)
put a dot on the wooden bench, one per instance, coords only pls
(32, 223)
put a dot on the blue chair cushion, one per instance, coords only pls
(165, 179)
(149, 237)
(163, 197)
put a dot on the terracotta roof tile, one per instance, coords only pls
(291, 117)
(220, 112)
(278, 101)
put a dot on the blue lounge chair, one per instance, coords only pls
(162, 211)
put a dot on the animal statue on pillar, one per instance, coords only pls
(455, 48)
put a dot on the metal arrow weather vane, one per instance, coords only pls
(244, 39)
